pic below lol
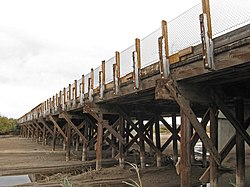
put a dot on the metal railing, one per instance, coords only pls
(183, 31)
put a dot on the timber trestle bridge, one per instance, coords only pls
(127, 99)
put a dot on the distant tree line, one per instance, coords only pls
(8, 125)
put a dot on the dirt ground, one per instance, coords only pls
(21, 154)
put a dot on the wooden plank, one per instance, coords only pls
(66, 116)
(53, 120)
(194, 121)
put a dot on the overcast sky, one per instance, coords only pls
(46, 44)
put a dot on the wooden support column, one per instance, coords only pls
(151, 137)
(185, 160)
(54, 139)
(214, 138)
(137, 65)
(142, 143)
(44, 135)
(240, 145)
(113, 140)
(121, 146)
(157, 140)
(99, 145)
(37, 133)
(102, 80)
(175, 145)
(68, 127)
(77, 143)
(84, 146)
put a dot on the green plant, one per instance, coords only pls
(67, 183)
(132, 182)
(7, 125)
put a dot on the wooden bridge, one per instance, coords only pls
(195, 82)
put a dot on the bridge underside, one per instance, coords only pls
(118, 122)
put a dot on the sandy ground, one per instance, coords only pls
(21, 153)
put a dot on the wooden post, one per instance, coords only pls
(157, 140)
(84, 146)
(91, 85)
(142, 144)
(54, 139)
(64, 98)
(175, 145)
(37, 133)
(82, 90)
(102, 80)
(116, 73)
(121, 146)
(240, 145)
(214, 138)
(206, 36)
(113, 139)
(185, 161)
(44, 135)
(164, 66)
(77, 143)
(99, 145)
(68, 127)
(137, 64)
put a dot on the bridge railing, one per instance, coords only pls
(183, 31)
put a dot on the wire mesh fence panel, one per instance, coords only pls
(79, 87)
(126, 62)
(86, 82)
(228, 15)
(149, 48)
(184, 30)
(96, 76)
(109, 70)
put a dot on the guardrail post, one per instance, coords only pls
(82, 90)
(102, 80)
(164, 51)
(91, 85)
(64, 98)
(116, 73)
(137, 65)
(75, 93)
(206, 36)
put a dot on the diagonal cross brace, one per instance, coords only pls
(224, 152)
(57, 126)
(105, 124)
(140, 134)
(46, 126)
(193, 119)
(228, 114)
(67, 118)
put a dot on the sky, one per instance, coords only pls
(47, 44)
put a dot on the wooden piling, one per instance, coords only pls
(157, 140)
(214, 138)
(99, 145)
(240, 145)
(185, 162)
(175, 145)
(68, 127)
